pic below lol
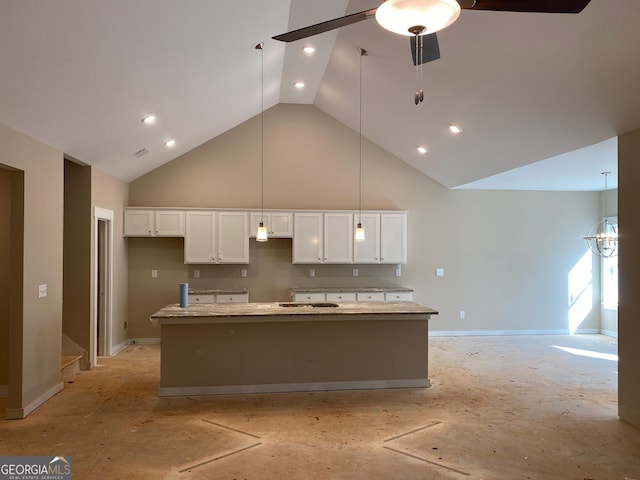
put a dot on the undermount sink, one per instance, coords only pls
(311, 304)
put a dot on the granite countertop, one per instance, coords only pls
(291, 310)
(349, 289)
(217, 291)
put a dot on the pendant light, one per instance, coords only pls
(359, 234)
(261, 234)
(603, 235)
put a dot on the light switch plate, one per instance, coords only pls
(439, 272)
(154, 273)
(42, 291)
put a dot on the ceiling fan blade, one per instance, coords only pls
(541, 6)
(325, 26)
(430, 49)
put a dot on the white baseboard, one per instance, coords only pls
(116, 348)
(4, 390)
(470, 333)
(17, 413)
(609, 333)
(144, 341)
(293, 387)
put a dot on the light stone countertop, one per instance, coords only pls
(228, 313)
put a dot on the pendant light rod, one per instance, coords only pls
(359, 234)
(261, 235)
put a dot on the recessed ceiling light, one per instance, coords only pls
(170, 143)
(454, 128)
(299, 85)
(308, 49)
(422, 150)
(148, 119)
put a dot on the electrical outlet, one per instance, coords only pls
(462, 314)
(243, 272)
(398, 270)
(355, 272)
(196, 274)
(154, 273)
(312, 272)
(42, 291)
(439, 272)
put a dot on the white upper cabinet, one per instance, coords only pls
(338, 238)
(369, 250)
(216, 237)
(393, 238)
(307, 237)
(200, 237)
(278, 224)
(153, 223)
(233, 237)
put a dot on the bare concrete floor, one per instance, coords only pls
(525, 407)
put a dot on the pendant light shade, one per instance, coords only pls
(360, 237)
(603, 235)
(406, 17)
(261, 234)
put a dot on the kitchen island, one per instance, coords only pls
(277, 347)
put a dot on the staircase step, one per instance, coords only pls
(69, 366)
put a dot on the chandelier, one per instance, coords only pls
(603, 235)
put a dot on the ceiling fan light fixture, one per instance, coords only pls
(403, 16)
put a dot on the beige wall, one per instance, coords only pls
(112, 194)
(629, 277)
(508, 256)
(76, 315)
(5, 277)
(34, 370)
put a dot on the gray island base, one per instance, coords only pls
(283, 347)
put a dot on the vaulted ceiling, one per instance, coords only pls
(540, 97)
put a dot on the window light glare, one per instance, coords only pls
(148, 119)
(299, 85)
(422, 150)
(309, 49)
(454, 128)
(170, 143)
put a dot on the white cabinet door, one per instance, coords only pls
(169, 223)
(338, 238)
(371, 297)
(393, 238)
(398, 296)
(200, 237)
(281, 224)
(232, 298)
(233, 237)
(278, 224)
(307, 237)
(139, 223)
(309, 297)
(369, 250)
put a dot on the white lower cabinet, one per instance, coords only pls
(341, 297)
(398, 296)
(371, 297)
(216, 237)
(219, 298)
(309, 297)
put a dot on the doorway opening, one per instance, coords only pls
(102, 343)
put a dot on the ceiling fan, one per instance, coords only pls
(421, 19)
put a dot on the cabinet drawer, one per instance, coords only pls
(202, 299)
(309, 297)
(398, 296)
(233, 298)
(341, 297)
(371, 297)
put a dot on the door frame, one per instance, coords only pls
(102, 214)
